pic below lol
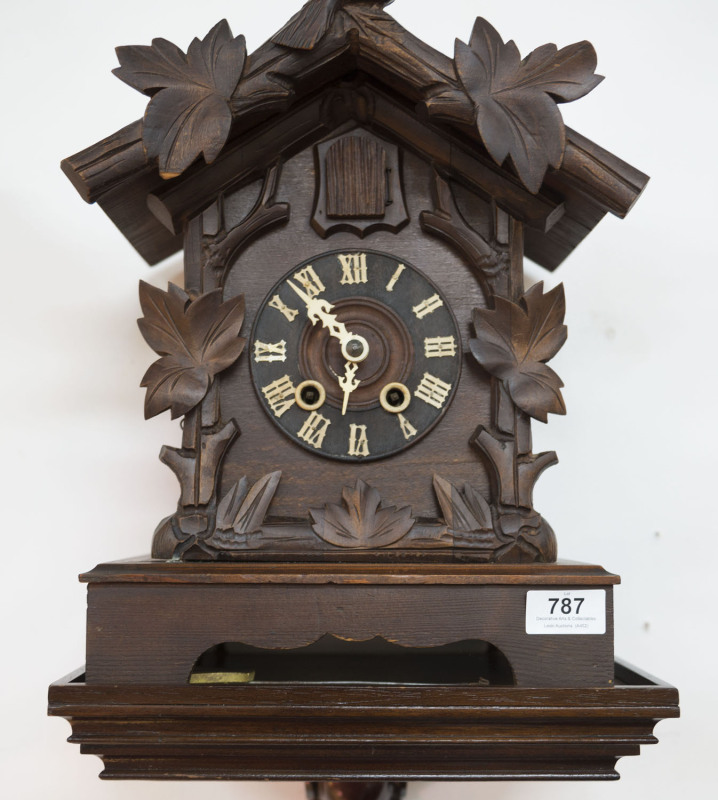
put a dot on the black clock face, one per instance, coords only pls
(355, 355)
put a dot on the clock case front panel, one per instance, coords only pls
(462, 491)
(307, 479)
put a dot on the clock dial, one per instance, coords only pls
(355, 355)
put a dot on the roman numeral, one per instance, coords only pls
(268, 351)
(428, 306)
(289, 313)
(358, 442)
(439, 346)
(406, 427)
(314, 429)
(353, 268)
(394, 278)
(280, 395)
(311, 282)
(432, 390)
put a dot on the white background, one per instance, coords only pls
(635, 489)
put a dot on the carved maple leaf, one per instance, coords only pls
(197, 338)
(513, 340)
(189, 113)
(362, 521)
(514, 101)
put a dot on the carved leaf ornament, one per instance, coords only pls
(513, 340)
(362, 521)
(514, 101)
(189, 113)
(197, 338)
(242, 511)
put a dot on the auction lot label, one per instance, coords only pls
(562, 611)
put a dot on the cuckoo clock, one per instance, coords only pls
(357, 363)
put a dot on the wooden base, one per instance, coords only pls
(150, 622)
(362, 732)
(349, 673)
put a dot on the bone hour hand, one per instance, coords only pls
(355, 348)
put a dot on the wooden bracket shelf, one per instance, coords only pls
(356, 732)
(361, 673)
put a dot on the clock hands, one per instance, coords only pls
(348, 383)
(355, 348)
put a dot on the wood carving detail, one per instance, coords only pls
(197, 337)
(363, 521)
(513, 342)
(241, 512)
(359, 186)
(221, 249)
(356, 178)
(194, 96)
(306, 29)
(211, 531)
(197, 468)
(500, 533)
(189, 113)
(513, 101)
(447, 222)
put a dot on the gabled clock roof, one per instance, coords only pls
(271, 104)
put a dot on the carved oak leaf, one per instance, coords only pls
(242, 511)
(515, 101)
(312, 22)
(189, 113)
(197, 338)
(514, 340)
(362, 521)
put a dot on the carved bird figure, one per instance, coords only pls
(308, 26)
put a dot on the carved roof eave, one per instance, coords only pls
(149, 211)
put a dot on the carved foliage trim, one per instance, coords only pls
(496, 533)
(189, 113)
(196, 337)
(513, 101)
(513, 342)
(238, 518)
(312, 22)
(241, 512)
(362, 521)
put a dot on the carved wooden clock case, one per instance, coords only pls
(357, 362)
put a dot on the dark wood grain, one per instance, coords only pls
(512, 102)
(400, 61)
(359, 185)
(363, 519)
(285, 732)
(562, 573)
(126, 644)
(356, 178)
(382, 594)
